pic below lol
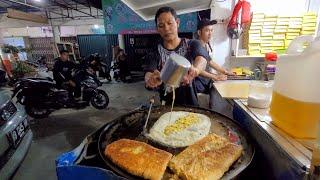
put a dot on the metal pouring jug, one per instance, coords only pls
(173, 71)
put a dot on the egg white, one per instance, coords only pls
(183, 138)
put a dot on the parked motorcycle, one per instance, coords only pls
(41, 97)
(116, 71)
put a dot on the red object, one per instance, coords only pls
(245, 14)
(271, 56)
(233, 137)
(7, 67)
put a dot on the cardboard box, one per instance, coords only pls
(281, 23)
(279, 36)
(281, 51)
(293, 33)
(264, 51)
(257, 20)
(313, 24)
(270, 23)
(257, 24)
(295, 23)
(290, 37)
(266, 45)
(278, 43)
(310, 13)
(295, 26)
(280, 30)
(297, 19)
(283, 18)
(278, 48)
(270, 16)
(255, 31)
(309, 16)
(308, 28)
(266, 41)
(266, 37)
(267, 30)
(291, 30)
(254, 35)
(269, 26)
(266, 34)
(270, 19)
(281, 27)
(254, 45)
(307, 32)
(305, 21)
(254, 41)
(255, 27)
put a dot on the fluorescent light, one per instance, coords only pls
(37, 0)
(96, 26)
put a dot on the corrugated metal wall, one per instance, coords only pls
(98, 43)
(137, 46)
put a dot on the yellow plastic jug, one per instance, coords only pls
(295, 105)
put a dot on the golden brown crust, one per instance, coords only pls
(138, 158)
(209, 158)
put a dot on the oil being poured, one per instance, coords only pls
(173, 99)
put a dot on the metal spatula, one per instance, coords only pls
(144, 132)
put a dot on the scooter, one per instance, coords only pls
(41, 97)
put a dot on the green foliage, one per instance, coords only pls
(9, 49)
(21, 69)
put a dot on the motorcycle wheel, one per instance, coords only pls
(37, 113)
(100, 100)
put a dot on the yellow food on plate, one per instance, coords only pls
(241, 71)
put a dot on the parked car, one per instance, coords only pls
(15, 134)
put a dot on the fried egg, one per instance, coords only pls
(180, 129)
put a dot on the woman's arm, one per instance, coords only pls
(218, 68)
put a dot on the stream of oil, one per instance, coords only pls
(173, 99)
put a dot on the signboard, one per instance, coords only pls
(120, 19)
(15, 14)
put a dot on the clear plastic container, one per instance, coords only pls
(260, 93)
(295, 106)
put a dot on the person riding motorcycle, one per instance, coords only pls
(62, 74)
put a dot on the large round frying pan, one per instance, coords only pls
(130, 126)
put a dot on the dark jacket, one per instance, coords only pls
(62, 71)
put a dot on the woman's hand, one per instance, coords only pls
(229, 73)
(220, 77)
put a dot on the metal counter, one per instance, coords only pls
(284, 157)
(279, 156)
